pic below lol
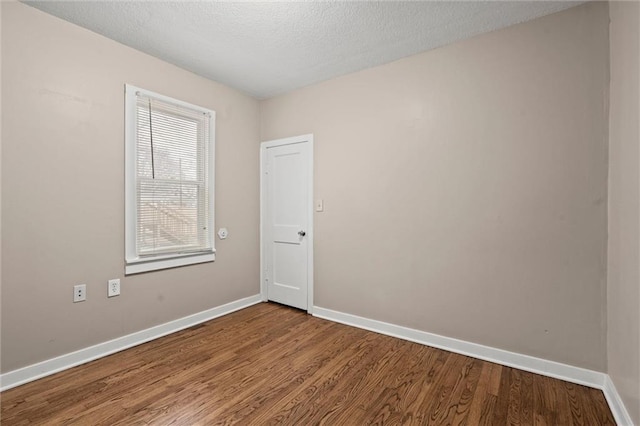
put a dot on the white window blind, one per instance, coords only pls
(173, 179)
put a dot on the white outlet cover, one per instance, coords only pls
(223, 233)
(113, 287)
(79, 293)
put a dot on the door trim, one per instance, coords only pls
(310, 233)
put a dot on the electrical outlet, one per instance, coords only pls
(79, 293)
(113, 288)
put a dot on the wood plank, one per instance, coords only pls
(477, 414)
(269, 364)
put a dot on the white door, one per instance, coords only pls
(287, 221)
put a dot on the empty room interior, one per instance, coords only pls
(320, 213)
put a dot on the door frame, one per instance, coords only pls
(308, 138)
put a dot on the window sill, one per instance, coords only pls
(137, 266)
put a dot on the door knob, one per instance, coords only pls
(302, 233)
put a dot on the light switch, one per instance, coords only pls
(319, 205)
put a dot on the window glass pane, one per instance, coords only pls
(175, 146)
(168, 216)
(172, 178)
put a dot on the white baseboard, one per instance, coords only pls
(51, 366)
(616, 405)
(569, 373)
(511, 359)
(554, 369)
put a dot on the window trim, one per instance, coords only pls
(135, 264)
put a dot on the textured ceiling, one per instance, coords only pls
(269, 48)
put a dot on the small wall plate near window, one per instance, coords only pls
(223, 233)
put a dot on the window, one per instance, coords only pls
(169, 174)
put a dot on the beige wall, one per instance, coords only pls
(465, 188)
(62, 191)
(623, 286)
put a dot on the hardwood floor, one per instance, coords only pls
(270, 364)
